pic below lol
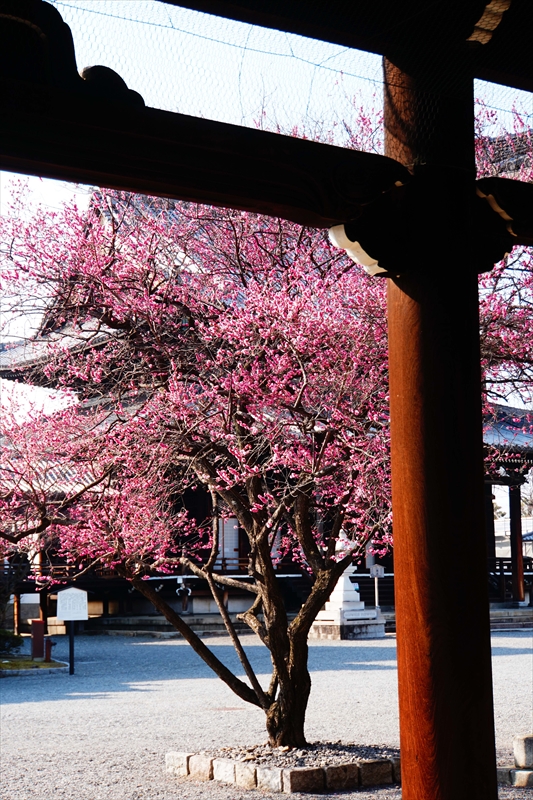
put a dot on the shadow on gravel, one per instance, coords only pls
(106, 665)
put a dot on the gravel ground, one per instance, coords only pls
(103, 732)
(319, 754)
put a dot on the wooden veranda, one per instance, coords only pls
(396, 208)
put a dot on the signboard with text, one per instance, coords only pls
(72, 604)
(377, 571)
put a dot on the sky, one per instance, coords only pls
(43, 191)
(50, 194)
(26, 401)
(198, 64)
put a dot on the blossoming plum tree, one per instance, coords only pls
(225, 352)
(217, 351)
(506, 293)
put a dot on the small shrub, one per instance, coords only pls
(9, 642)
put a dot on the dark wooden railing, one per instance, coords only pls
(500, 577)
(499, 572)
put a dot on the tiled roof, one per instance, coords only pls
(511, 430)
(510, 153)
(25, 354)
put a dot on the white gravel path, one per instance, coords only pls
(103, 732)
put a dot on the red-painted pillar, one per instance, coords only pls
(37, 639)
(16, 613)
(442, 612)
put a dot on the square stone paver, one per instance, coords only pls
(375, 773)
(503, 775)
(224, 770)
(523, 751)
(177, 763)
(269, 778)
(342, 776)
(396, 769)
(245, 776)
(201, 767)
(303, 779)
(522, 777)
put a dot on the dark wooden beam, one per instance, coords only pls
(365, 26)
(93, 129)
(506, 58)
(57, 134)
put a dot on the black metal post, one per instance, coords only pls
(71, 647)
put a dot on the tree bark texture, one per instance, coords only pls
(285, 719)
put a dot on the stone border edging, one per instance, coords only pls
(521, 772)
(513, 776)
(19, 673)
(337, 777)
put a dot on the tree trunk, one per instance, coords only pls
(285, 718)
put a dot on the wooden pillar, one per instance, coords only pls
(442, 611)
(16, 613)
(489, 522)
(43, 608)
(517, 561)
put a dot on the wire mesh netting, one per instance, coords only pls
(202, 65)
(198, 64)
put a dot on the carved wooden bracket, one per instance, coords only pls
(513, 202)
(395, 234)
(37, 49)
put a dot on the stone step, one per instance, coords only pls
(201, 624)
(511, 625)
(500, 619)
(524, 611)
(173, 634)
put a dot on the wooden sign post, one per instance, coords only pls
(377, 572)
(72, 605)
